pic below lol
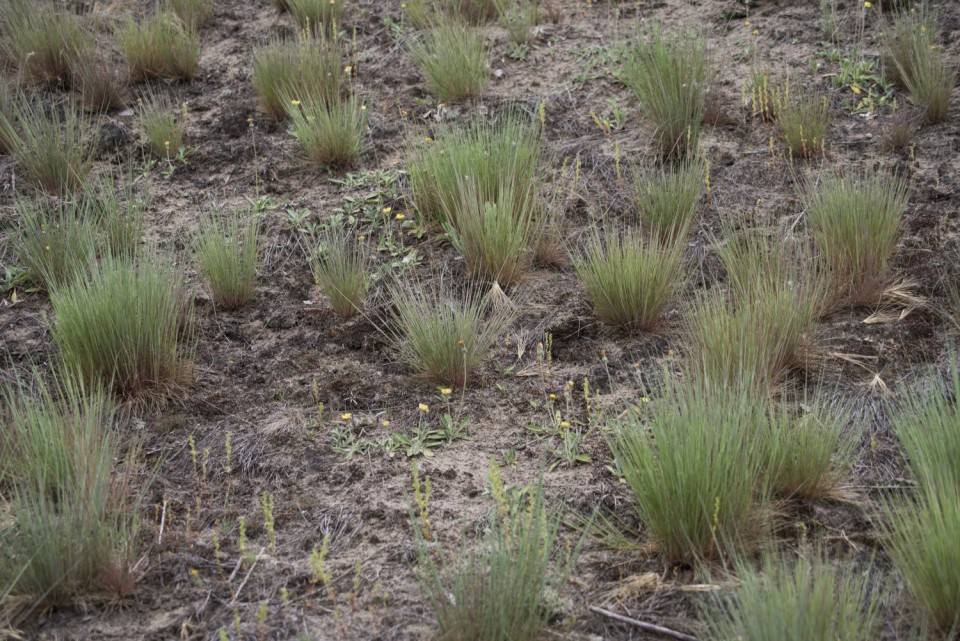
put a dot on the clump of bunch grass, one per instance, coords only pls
(921, 540)
(227, 251)
(317, 15)
(803, 120)
(164, 125)
(453, 59)
(56, 242)
(760, 94)
(117, 212)
(519, 17)
(194, 14)
(714, 509)
(855, 223)
(667, 198)
(127, 325)
(48, 45)
(668, 75)
(507, 151)
(305, 69)
(914, 61)
(330, 133)
(801, 599)
(900, 129)
(496, 591)
(101, 87)
(341, 270)
(445, 337)
(159, 47)
(55, 147)
(71, 530)
(8, 133)
(629, 279)
(494, 236)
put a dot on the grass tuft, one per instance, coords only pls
(803, 120)
(667, 198)
(46, 44)
(317, 15)
(194, 14)
(330, 133)
(163, 124)
(55, 148)
(56, 243)
(341, 270)
(454, 61)
(800, 599)
(127, 325)
(158, 47)
(445, 338)
(855, 223)
(227, 252)
(669, 77)
(629, 279)
(305, 69)
(915, 61)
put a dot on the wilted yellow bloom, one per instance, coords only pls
(423, 407)
(446, 391)
(346, 416)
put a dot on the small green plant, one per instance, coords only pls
(101, 86)
(803, 121)
(668, 75)
(70, 494)
(341, 270)
(330, 133)
(117, 211)
(47, 44)
(506, 152)
(914, 60)
(667, 199)
(317, 15)
(760, 93)
(158, 47)
(629, 279)
(494, 236)
(495, 592)
(900, 129)
(694, 513)
(855, 222)
(443, 337)
(227, 251)
(453, 59)
(128, 325)
(801, 599)
(55, 147)
(194, 14)
(305, 69)
(163, 124)
(921, 539)
(519, 17)
(56, 242)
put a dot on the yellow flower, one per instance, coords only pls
(385, 423)
(399, 216)
(428, 139)
(553, 397)
(387, 210)
(347, 69)
(423, 407)
(867, 4)
(755, 32)
(564, 425)
(446, 391)
(295, 102)
(194, 572)
(346, 416)
(644, 399)
(746, 23)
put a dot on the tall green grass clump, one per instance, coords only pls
(194, 14)
(802, 599)
(164, 125)
(330, 133)
(668, 75)
(495, 591)
(667, 198)
(803, 120)
(713, 509)
(490, 155)
(227, 251)
(46, 44)
(317, 15)
(71, 526)
(518, 18)
(304, 69)
(341, 270)
(453, 59)
(495, 236)
(915, 61)
(445, 337)
(8, 118)
(629, 279)
(117, 212)
(921, 540)
(158, 47)
(127, 325)
(855, 223)
(101, 86)
(56, 243)
(55, 147)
